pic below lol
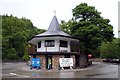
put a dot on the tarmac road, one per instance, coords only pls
(97, 70)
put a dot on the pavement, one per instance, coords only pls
(97, 70)
(93, 66)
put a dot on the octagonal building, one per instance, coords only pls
(54, 44)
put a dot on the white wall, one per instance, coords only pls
(53, 49)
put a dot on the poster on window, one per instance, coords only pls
(66, 62)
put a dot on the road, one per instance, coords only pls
(97, 70)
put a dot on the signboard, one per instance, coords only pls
(66, 62)
(89, 55)
(33, 62)
(36, 62)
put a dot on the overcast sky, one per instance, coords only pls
(40, 12)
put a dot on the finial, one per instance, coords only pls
(54, 13)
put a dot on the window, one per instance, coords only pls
(63, 43)
(39, 44)
(49, 43)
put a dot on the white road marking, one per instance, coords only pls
(14, 74)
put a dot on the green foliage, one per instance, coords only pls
(11, 54)
(84, 12)
(15, 34)
(91, 29)
(0, 37)
(66, 26)
(25, 57)
(110, 49)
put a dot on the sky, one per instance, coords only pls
(41, 12)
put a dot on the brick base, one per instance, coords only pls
(55, 61)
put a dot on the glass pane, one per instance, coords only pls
(49, 43)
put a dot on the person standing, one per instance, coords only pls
(49, 63)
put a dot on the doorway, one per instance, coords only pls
(48, 62)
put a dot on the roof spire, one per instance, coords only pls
(54, 13)
(54, 28)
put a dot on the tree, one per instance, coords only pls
(110, 49)
(66, 26)
(91, 29)
(0, 36)
(15, 34)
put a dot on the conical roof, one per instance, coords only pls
(54, 29)
(54, 25)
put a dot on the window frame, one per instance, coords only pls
(63, 43)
